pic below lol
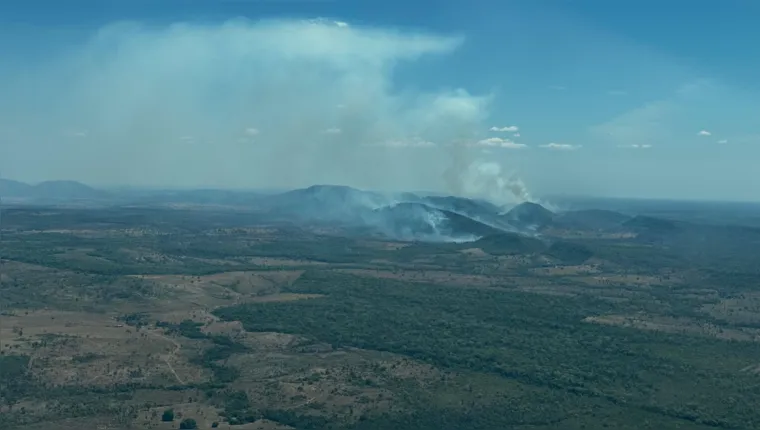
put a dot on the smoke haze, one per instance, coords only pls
(276, 104)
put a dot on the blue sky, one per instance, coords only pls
(623, 98)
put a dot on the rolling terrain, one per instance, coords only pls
(335, 308)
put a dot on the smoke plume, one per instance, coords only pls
(275, 104)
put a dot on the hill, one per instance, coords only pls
(323, 202)
(15, 189)
(417, 221)
(50, 191)
(506, 243)
(470, 207)
(66, 190)
(529, 215)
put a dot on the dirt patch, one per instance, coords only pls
(615, 279)
(383, 246)
(204, 416)
(677, 325)
(345, 383)
(475, 252)
(83, 349)
(741, 309)
(225, 287)
(438, 277)
(285, 297)
(283, 262)
(583, 269)
(587, 234)
(551, 290)
(230, 328)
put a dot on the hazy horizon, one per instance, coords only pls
(502, 101)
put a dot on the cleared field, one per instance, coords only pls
(428, 276)
(687, 326)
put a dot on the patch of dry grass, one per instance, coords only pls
(686, 326)
(439, 277)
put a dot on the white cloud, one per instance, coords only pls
(636, 146)
(333, 130)
(496, 142)
(723, 141)
(326, 22)
(139, 88)
(507, 129)
(516, 135)
(704, 133)
(561, 146)
(250, 131)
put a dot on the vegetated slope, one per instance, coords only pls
(569, 252)
(730, 251)
(375, 212)
(50, 191)
(329, 202)
(507, 243)
(15, 189)
(529, 215)
(473, 208)
(417, 221)
(65, 190)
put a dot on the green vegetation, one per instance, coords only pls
(188, 423)
(538, 341)
(222, 348)
(237, 408)
(168, 415)
(15, 381)
(513, 349)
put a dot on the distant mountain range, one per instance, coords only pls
(406, 216)
(49, 191)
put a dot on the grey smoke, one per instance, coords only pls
(173, 106)
(176, 105)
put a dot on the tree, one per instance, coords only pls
(188, 423)
(168, 415)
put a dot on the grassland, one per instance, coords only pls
(112, 318)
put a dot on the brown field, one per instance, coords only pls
(678, 325)
(282, 262)
(381, 245)
(637, 280)
(743, 309)
(428, 276)
(584, 269)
